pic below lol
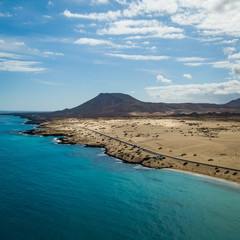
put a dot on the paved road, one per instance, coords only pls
(160, 155)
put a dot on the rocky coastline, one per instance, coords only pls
(129, 153)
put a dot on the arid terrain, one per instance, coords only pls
(208, 142)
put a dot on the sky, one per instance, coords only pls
(58, 54)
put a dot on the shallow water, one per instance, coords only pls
(50, 191)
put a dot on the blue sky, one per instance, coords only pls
(59, 54)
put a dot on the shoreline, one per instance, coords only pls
(129, 152)
(169, 169)
(235, 184)
(104, 151)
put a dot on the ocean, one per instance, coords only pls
(69, 192)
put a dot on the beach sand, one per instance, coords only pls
(202, 141)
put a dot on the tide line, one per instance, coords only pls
(205, 176)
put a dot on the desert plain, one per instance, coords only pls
(205, 146)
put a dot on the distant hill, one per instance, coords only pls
(234, 103)
(123, 105)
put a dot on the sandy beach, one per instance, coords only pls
(199, 141)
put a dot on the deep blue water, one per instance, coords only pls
(50, 191)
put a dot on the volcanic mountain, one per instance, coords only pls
(123, 105)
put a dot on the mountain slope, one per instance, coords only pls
(234, 103)
(122, 105)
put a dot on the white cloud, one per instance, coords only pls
(93, 25)
(9, 55)
(17, 46)
(193, 64)
(191, 59)
(209, 39)
(188, 18)
(14, 55)
(153, 48)
(138, 57)
(151, 7)
(110, 15)
(229, 41)
(229, 50)
(5, 15)
(2, 41)
(80, 30)
(19, 66)
(50, 3)
(151, 28)
(236, 71)
(18, 8)
(165, 36)
(234, 56)
(212, 17)
(221, 64)
(122, 2)
(135, 8)
(187, 75)
(93, 42)
(100, 1)
(233, 66)
(80, 25)
(20, 43)
(47, 16)
(193, 92)
(96, 42)
(53, 53)
(162, 79)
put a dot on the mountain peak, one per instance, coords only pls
(105, 104)
(122, 96)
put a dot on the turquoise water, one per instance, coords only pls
(50, 191)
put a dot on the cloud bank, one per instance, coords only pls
(192, 92)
